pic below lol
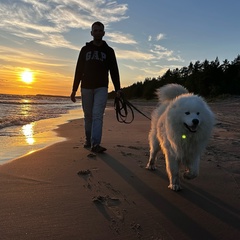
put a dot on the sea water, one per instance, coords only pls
(27, 122)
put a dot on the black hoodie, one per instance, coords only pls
(94, 63)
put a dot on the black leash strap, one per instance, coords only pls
(123, 107)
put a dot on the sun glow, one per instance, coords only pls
(27, 76)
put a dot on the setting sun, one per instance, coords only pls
(27, 76)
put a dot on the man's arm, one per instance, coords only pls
(78, 75)
(114, 71)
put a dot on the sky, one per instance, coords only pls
(44, 37)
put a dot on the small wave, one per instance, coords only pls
(30, 103)
(20, 110)
(22, 120)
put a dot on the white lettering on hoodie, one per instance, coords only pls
(95, 55)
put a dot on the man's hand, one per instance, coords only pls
(73, 98)
(119, 93)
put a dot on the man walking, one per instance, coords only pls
(95, 61)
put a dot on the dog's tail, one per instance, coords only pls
(170, 91)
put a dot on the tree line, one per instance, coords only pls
(208, 79)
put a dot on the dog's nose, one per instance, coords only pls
(195, 121)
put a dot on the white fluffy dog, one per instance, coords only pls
(181, 126)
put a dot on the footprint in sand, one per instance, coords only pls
(91, 155)
(85, 174)
(111, 203)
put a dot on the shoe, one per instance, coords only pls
(87, 145)
(98, 149)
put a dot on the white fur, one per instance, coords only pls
(181, 126)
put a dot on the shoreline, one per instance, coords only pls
(65, 192)
(34, 136)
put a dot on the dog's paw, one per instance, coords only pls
(175, 187)
(189, 176)
(150, 167)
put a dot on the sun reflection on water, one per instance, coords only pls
(28, 131)
(26, 101)
(25, 107)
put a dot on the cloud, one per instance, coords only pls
(51, 24)
(160, 36)
(55, 41)
(16, 57)
(46, 22)
(176, 58)
(134, 55)
(119, 37)
(161, 52)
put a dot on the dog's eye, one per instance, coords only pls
(198, 113)
(187, 113)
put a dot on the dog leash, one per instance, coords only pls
(122, 107)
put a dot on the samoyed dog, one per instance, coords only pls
(181, 126)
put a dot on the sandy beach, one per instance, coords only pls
(66, 192)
